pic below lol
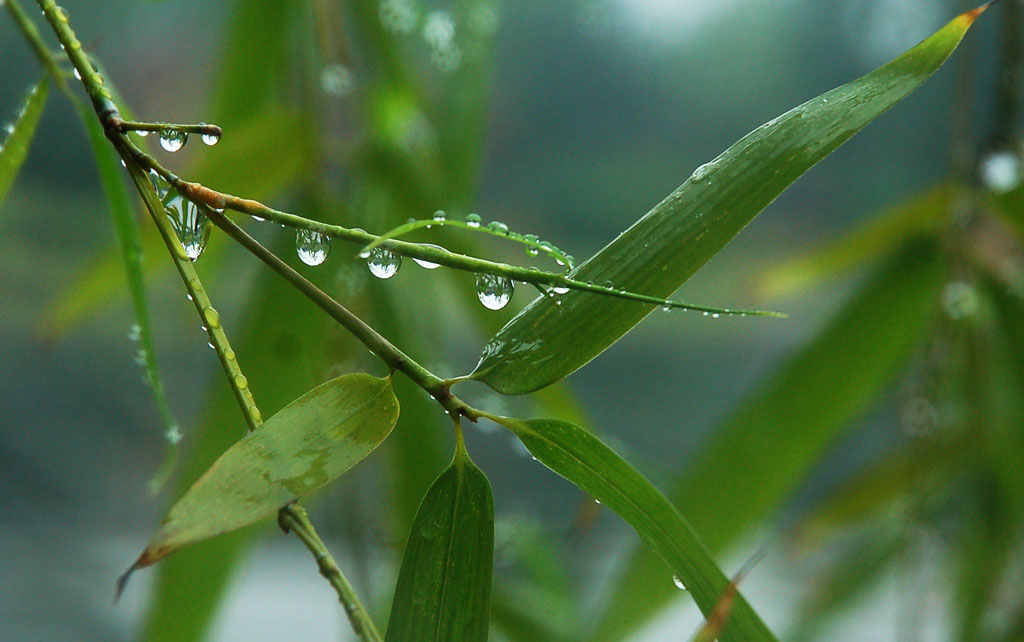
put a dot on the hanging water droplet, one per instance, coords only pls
(678, 582)
(172, 140)
(597, 501)
(715, 315)
(429, 265)
(211, 139)
(160, 186)
(473, 220)
(190, 225)
(134, 332)
(493, 291)
(210, 344)
(142, 132)
(312, 247)
(667, 307)
(532, 251)
(440, 216)
(383, 263)
(557, 289)
(258, 219)
(188, 296)
(78, 76)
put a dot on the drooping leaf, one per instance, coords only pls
(19, 136)
(550, 339)
(444, 585)
(584, 460)
(777, 436)
(305, 445)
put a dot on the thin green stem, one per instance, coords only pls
(198, 193)
(293, 519)
(198, 128)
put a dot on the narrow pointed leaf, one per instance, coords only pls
(309, 443)
(444, 586)
(584, 460)
(548, 341)
(777, 436)
(15, 147)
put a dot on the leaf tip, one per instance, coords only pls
(122, 582)
(970, 16)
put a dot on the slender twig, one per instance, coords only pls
(293, 519)
(216, 200)
(198, 128)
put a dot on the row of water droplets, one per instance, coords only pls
(172, 140)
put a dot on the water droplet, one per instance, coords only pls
(258, 219)
(960, 300)
(1000, 171)
(557, 289)
(78, 76)
(229, 354)
(493, 291)
(241, 382)
(336, 80)
(188, 296)
(498, 226)
(172, 140)
(678, 582)
(134, 332)
(429, 265)
(190, 225)
(597, 501)
(383, 263)
(439, 29)
(173, 434)
(210, 344)
(211, 139)
(160, 186)
(532, 251)
(212, 317)
(312, 247)
(141, 133)
(715, 315)
(398, 15)
(440, 216)
(667, 307)
(473, 220)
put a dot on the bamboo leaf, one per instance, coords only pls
(549, 340)
(307, 444)
(777, 436)
(444, 586)
(584, 460)
(15, 147)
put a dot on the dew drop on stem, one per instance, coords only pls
(473, 220)
(383, 263)
(172, 140)
(493, 291)
(211, 139)
(428, 265)
(678, 582)
(312, 247)
(190, 226)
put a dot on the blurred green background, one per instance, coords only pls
(565, 119)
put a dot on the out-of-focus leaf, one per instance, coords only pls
(19, 136)
(868, 241)
(584, 460)
(847, 578)
(307, 444)
(444, 586)
(774, 439)
(128, 239)
(243, 86)
(549, 340)
(526, 612)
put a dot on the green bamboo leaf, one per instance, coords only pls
(307, 444)
(444, 586)
(778, 435)
(123, 215)
(584, 460)
(549, 340)
(19, 136)
(869, 240)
